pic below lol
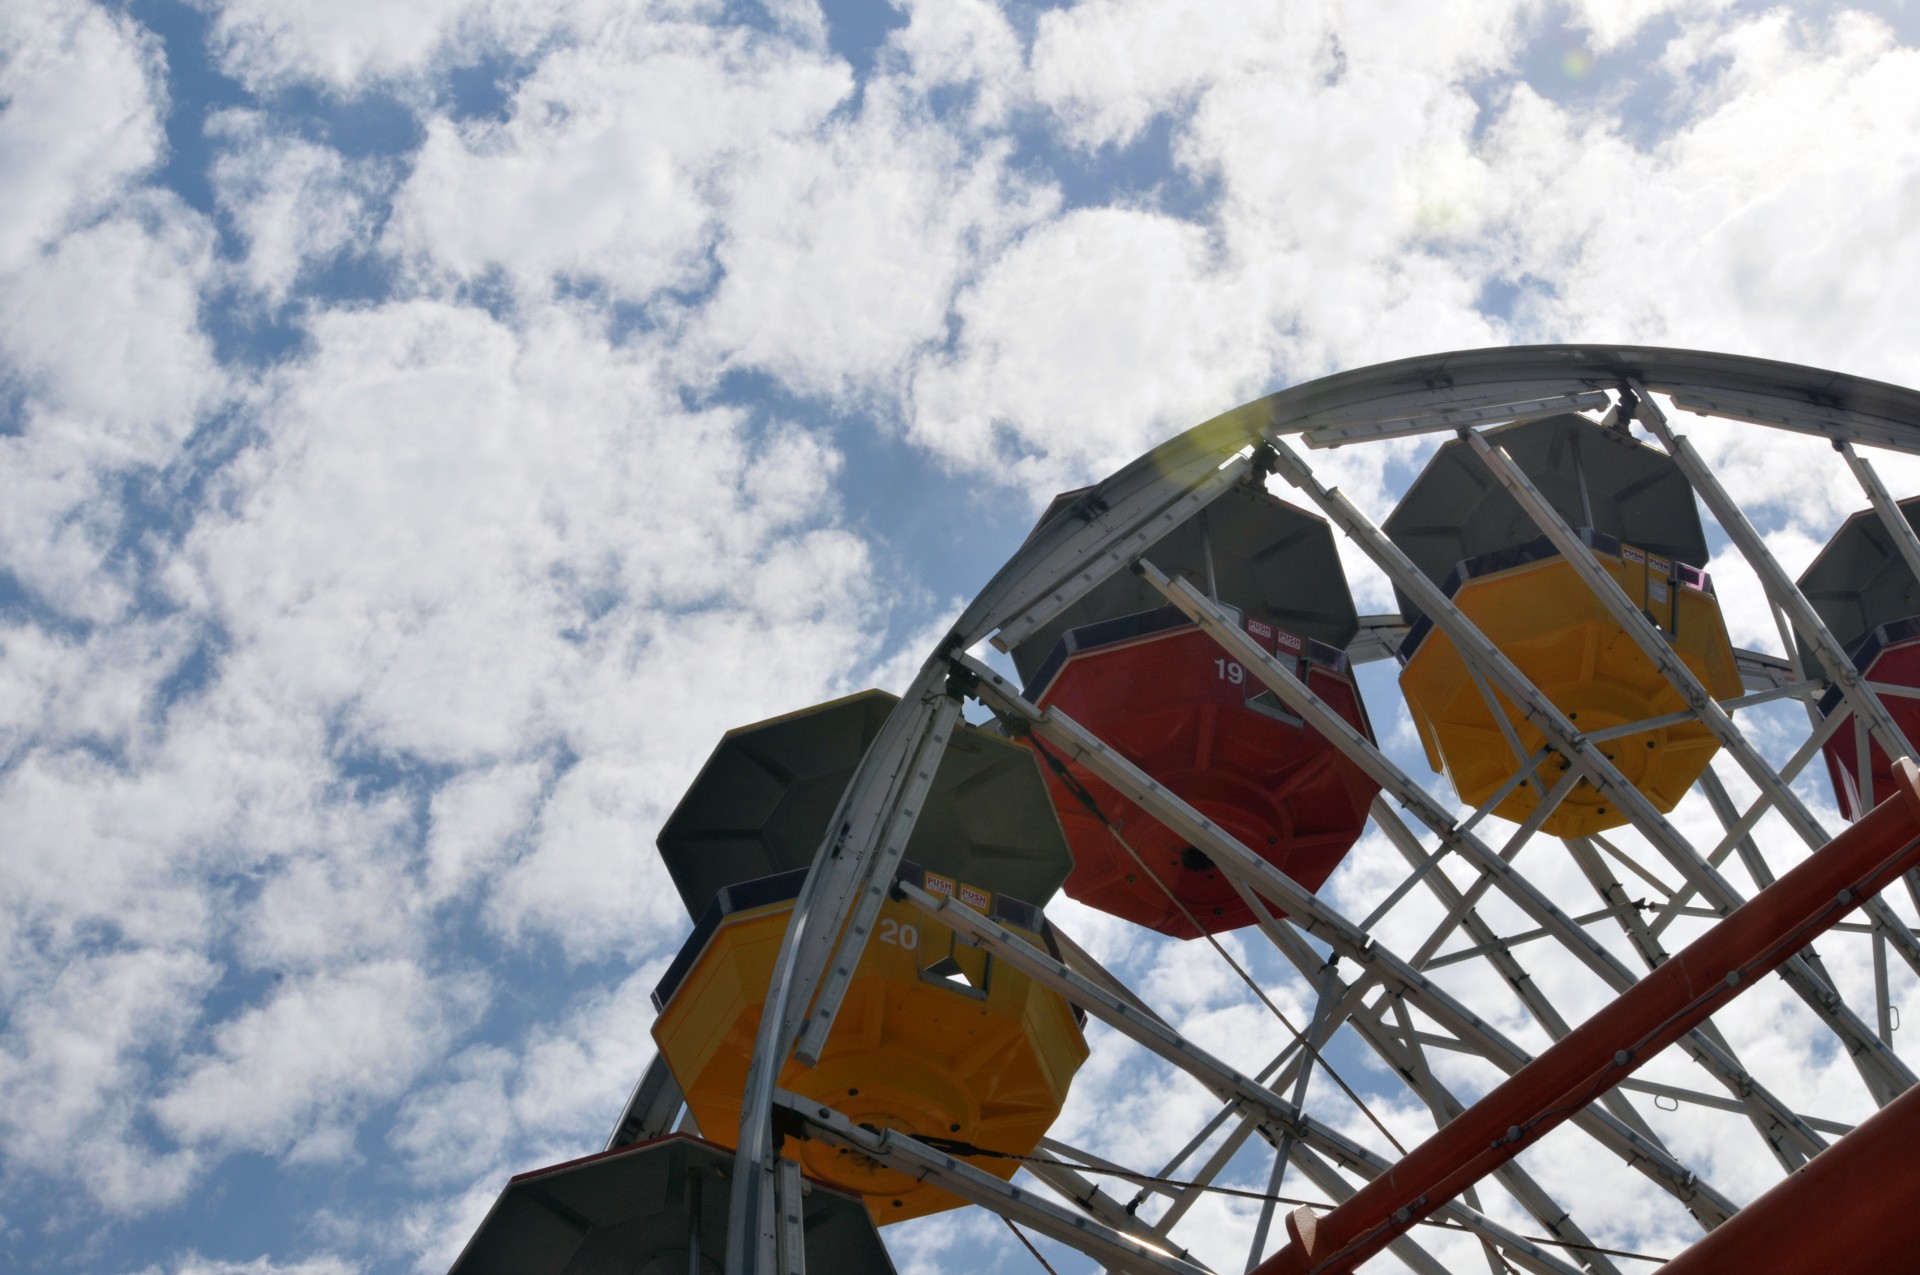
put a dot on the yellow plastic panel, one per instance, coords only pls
(1551, 626)
(934, 1039)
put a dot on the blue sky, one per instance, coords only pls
(425, 428)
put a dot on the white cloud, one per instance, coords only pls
(1093, 336)
(474, 820)
(267, 44)
(552, 1096)
(963, 43)
(83, 99)
(841, 251)
(195, 1264)
(72, 1061)
(583, 183)
(101, 338)
(319, 1051)
(467, 591)
(296, 205)
(591, 878)
(1771, 221)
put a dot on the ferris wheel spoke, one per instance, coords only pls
(1899, 530)
(1527, 1192)
(1635, 624)
(1309, 912)
(1627, 1136)
(1091, 543)
(1527, 989)
(1780, 588)
(1523, 1252)
(1185, 1197)
(1336, 1187)
(1790, 1140)
(1883, 1072)
(1085, 1194)
(1490, 874)
(1606, 883)
(1739, 831)
(1143, 1028)
(897, 1150)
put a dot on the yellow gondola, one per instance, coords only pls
(934, 1039)
(1636, 512)
(1543, 617)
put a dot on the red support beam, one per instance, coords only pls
(1610, 1046)
(1854, 1209)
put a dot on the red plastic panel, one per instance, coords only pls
(1898, 664)
(1179, 709)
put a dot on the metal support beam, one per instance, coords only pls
(1899, 530)
(928, 751)
(1848, 1213)
(1882, 1070)
(793, 1222)
(1072, 1185)
(1634, 623)
(840, 868)
(1619, 1038)
(1454, 418)
(1774, 1118)
(1783, 413)
(1315, 916)
(1779, 586)
(1335, 1185)
(1126, 532)
(908, 1155)
(1275, 1116)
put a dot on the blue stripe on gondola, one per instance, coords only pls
(1869, 649)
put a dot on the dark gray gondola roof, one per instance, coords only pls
(1860, 580)
(625, 1210)
(1594, 476)
(763, 802)
(1274, 561)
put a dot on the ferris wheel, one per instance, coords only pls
(1159, 708)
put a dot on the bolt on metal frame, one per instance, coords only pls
(1115, 525)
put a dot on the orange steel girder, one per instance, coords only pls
(1851, 1210)
(1607, 1048)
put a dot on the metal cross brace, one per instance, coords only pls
(1275, 1116)
(898, 1151)
(1634, 623)
(1320, 919)
(1885, 1074)
(867, 809)
(1331, 726)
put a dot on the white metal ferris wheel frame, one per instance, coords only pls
(1114, 527)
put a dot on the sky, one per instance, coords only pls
(425, 428)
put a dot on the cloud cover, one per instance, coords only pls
(426, 428)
